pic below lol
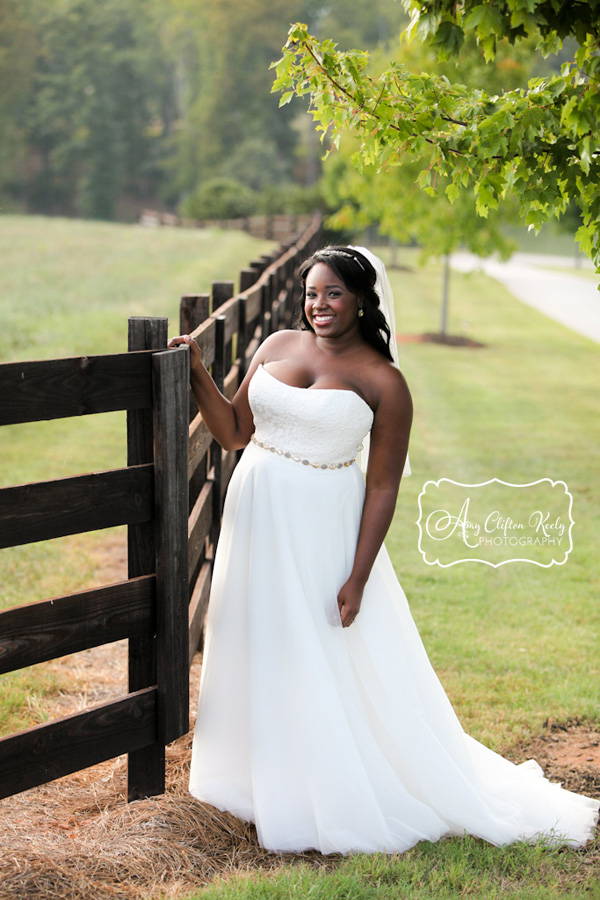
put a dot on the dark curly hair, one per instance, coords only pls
(359, 276)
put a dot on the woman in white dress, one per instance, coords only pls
(320, 718)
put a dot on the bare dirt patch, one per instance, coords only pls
(568, 752)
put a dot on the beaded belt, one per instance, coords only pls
(305, 462)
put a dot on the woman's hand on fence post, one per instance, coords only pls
(186, 340)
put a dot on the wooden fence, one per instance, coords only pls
(274, 227)
(170, 496)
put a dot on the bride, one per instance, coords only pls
(320, 718)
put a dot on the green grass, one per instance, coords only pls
(586, 274)
(551, 239)
(67, 288)
(449, 870)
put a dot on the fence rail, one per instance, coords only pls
(170, 496)
(273, 227)
(59, 388)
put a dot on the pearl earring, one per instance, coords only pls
(361, 312)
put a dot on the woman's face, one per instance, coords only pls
(330, 308)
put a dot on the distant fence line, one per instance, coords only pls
(170, 496)
(279, 228)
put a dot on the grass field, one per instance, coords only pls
(550, 239)
(450, 870)
(513, 646)
(587, 274)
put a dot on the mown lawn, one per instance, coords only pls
(550, 239)
(450, 870)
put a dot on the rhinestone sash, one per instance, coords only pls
(305, 462)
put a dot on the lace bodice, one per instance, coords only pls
(323, 425)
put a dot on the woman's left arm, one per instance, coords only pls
(387, 454)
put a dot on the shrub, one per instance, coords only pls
(290, 198)
(219, 198)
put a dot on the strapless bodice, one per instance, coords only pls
(325, 426)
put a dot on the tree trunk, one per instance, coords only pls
(445, 294)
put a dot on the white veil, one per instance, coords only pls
(386, 299)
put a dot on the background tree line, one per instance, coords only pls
(109, 106)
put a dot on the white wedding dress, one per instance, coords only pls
(339, 739)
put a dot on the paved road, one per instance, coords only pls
(570, 299)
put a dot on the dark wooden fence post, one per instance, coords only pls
(216, 453)
(274, 295)
(248, 277)
(242, 342)
(193, 310)
(259, 264)
(146, 767)
(266, 311)
(221, 292)
(171, 392)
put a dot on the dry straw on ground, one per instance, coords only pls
(78, 839)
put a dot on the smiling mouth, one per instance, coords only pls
(322, 319)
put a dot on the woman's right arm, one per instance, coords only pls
(230, 423)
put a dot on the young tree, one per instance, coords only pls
(392, 199)
(538, 143)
